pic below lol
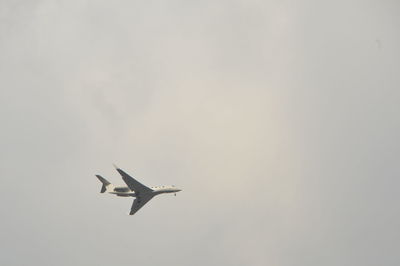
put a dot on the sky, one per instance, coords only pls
(278, 119)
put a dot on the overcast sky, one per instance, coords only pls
(280, 120)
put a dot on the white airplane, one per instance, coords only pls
(142, 193)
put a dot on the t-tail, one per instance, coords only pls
(107, 186)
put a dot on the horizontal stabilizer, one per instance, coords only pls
(105, 183)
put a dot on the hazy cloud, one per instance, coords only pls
(279, 120)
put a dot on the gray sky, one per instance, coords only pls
(279, 119)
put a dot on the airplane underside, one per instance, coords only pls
(123, 194)
(140, 192)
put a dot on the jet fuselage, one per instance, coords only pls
(126, 192)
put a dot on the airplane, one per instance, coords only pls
(142, 193)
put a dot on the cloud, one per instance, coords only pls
(279, 121)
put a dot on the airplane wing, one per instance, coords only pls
(139, 202)
(133, 184)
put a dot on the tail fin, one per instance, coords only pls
(106, 184)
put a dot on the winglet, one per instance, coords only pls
(115, 166)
